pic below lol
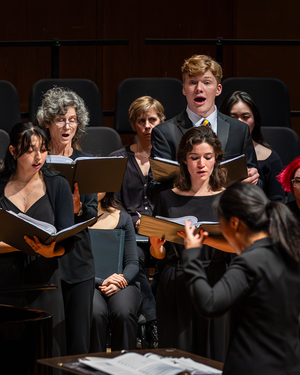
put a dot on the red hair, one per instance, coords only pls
(287, 175)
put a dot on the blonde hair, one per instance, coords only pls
(144, 104)
(199, 64)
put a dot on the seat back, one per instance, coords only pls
(100, 141)
(85, 88)
(168, 91)
(271, 95)
(10, 113)
(108, 250)
(4, 143)
(284, 141)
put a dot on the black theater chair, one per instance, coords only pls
(100, 141)
(271, 95)
(168, 91)
(10, 113)
(284, 141)
(4, 143)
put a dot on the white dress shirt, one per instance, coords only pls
(197, 120)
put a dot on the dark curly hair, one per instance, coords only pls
(193, 136)
(56, 102)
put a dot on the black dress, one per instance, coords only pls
(121, 310)
(268, 169)
(179, 325)
(17, 268)
(133, 194)
(77, 274)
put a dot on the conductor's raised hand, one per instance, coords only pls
(47, 251)
(76, 199)
(191, 239)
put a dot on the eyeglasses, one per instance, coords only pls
(61, 123)
(295, 182)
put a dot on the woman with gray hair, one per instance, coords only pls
(63, 116)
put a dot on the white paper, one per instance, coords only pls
(149, 364)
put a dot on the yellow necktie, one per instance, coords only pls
(206, 123)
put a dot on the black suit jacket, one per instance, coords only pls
(262, 287)
(233, 134)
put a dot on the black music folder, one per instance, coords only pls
(164, 169)
(15, 226)
(93, 174)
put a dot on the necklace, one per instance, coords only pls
(29, 192)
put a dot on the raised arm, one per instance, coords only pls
(210, 301)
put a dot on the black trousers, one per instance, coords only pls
(78, 302)
(118, 312)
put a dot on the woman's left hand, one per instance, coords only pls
(76, 199)
(109, 290)
(191, 239)
(47, 251)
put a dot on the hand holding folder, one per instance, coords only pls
(15, 226)
(167, 228)
(165, 170)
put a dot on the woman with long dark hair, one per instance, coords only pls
(201, 179)
(28, 186)
(261, 286)
(242, 106)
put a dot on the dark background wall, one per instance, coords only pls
(136, 20)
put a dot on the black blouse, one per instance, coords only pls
(40, 210)
(268, 170)
(261, 286)
(133, 194)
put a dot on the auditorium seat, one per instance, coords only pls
(100, 141)
(271, 95)
(4, 143)
(108, 249)
(85, 88)
(10, 113)
(166, 90)
(284, 141)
